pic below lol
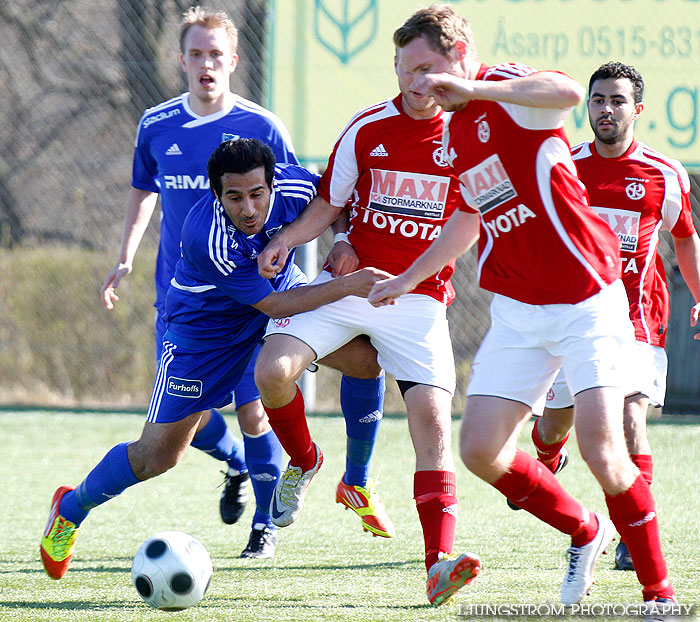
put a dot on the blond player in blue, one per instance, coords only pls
(216, 311)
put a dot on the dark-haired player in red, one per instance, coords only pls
(640, 192)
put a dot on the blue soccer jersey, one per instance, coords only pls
(216, 279)
(173, 145)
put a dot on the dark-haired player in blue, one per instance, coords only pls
(216, 310)
(173, 142)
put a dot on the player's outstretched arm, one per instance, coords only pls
(459, 234)
(308, 297)
(139, 209)
(688, 256)
(544, 89)
(311, 223)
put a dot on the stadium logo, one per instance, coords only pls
(483, 131)
(343, 29)
(160, 117)
(635, 190)
(487, 184)
(183, 387)
(185, 182)
(624, 223)
(408, 194)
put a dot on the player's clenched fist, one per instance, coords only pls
(273, 258)
(386, 292)
(362, 281)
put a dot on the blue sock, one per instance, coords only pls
(362, 403)
(216, 439)
(264, 457)
(108, 479)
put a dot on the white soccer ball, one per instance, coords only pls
(171, 571)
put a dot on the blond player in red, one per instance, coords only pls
(640, 192)
(554, 266)
(390, 165)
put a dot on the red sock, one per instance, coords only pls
(530, 485)
(634, 515)
(434, 492)
(290, 427)
(549, 455)
(645, 463)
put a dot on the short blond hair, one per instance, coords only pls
(440, 26)
(197, 16)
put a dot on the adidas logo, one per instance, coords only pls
(379, 151)
(263, 477)
(451, 509)
(371, 418)
(649, 517)
(173, 150)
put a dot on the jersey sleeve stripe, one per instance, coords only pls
(509, 70)
(197, 289)
(344, 157)
(165, 360)
(648, 262)
(218, 252)
(673, 188)
(555, 151)
(295, 195)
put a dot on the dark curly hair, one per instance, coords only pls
(614, 70)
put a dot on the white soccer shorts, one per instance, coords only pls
(527, 344)
(411, 337)
(647, 366)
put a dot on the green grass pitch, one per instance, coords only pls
(326, 567)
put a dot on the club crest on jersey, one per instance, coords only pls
(635, 190)
(483, 131)
(439, 155)
(624, 223)
(270, 232)
(226, 136)
(487, 184)
(410, 194)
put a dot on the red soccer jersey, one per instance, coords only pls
(640, 193)
(402, 191)
(540, 242)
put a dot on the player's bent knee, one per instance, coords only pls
(273, 374)
(150, 466)
(252, 418)
(605, 465)
(477, 459)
